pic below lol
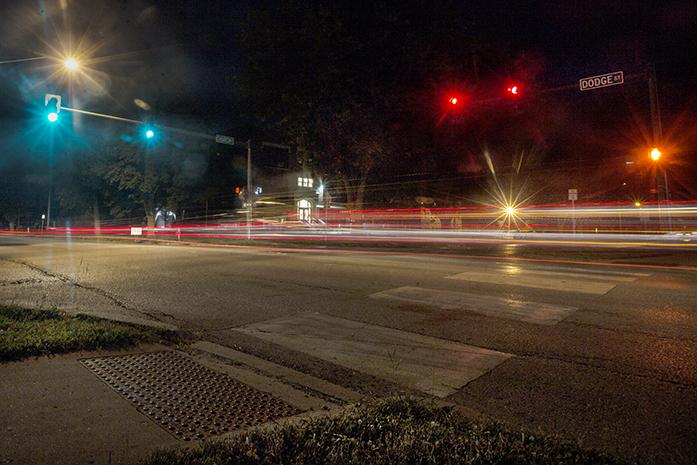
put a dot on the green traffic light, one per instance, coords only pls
(52, 117)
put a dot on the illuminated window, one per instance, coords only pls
(305, 182)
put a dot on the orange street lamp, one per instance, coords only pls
(655, 154)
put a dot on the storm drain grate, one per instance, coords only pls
(186, 398)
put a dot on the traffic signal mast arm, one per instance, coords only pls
(516, 91)
(228, 140)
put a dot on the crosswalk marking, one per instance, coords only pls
(602, 277)
(616, 271)
(598, 284)
(500, 307)
(435, 366)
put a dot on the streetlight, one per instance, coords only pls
(71, 63)
(655, 154)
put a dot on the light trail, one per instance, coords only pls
(457, 256)
(598, 225)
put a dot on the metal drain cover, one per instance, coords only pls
(186, 398)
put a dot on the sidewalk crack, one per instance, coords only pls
(157, 316)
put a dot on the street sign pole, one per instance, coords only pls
(249, 188)
(573, 196)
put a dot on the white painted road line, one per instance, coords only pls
(608, 272)
(512, 269)
(515, 276)
(435, 366)
(500, 307)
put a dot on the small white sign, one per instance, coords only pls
(573, 194)
(227, 140)
(136, 231)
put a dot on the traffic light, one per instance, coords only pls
(149, 133)
(53, 107)
(453, 100)
(513, 90)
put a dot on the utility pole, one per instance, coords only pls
(655, 108)
(657, 129)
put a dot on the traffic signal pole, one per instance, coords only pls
(48, 207)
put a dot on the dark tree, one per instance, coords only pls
(351, 85)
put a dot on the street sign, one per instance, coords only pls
(573, 194)
(136, 231)
(602, 80)
(227, 140)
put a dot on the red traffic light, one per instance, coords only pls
(453, 100)
(513, 90)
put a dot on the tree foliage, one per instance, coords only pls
(351, 85)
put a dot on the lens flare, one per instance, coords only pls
(72, 64)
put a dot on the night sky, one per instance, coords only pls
(180, 57)
(166, 47)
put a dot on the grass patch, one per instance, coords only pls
(26, 333)
(392, 431)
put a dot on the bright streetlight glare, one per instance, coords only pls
(655, 154)
(71, 64)
(149, 134)
(52, 117)
(510, 210)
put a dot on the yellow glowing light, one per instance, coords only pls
(510, 210)
(637, 204)
(71, 63)
(655, 154)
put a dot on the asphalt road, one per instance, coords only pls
(604, 355)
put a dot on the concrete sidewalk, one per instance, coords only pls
(55, 410)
